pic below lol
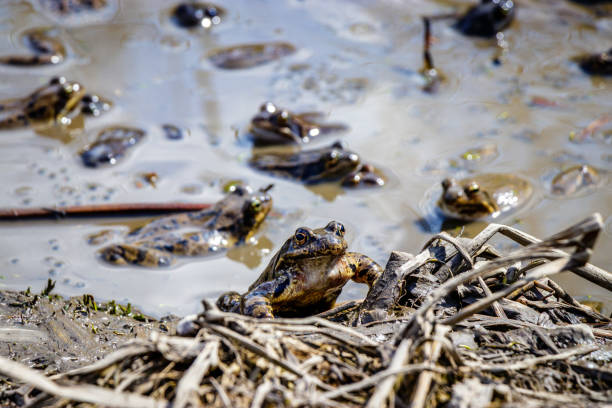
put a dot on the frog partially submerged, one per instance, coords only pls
(195, 14)
(55, 102)
(483, 196)
(279, 126)
(46, 49)
(230, 222)
(304, 277)
(596, 64)
(309, 166)
(487, 18)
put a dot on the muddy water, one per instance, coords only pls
(357, 62)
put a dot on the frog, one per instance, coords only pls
(576, 180)
(596, 64)
(273, 125)
(111, 145)
(56, 102)
(195, 14)
(304, 277)
(312, 166)
(484, 196)
(46, 48)
(249, 55)
(487, 18)
(231, 221)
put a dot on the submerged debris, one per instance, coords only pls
(576, 180)
(111, 144)
(457, 323)
(249, 55)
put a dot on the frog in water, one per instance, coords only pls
(309, 166)
(231, 221)
(55, 102)
(304, 277)
(195, 14)
(596, 64)
(484, 196)
(279, 126)
(47, 49)
(487, 18)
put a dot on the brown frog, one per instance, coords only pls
(46, 48)
(273, 125)
(304, 277)
(55, 102)
(309, 166)
(483, 196)
(231, 221)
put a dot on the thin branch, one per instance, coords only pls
(98, 210)
(385, 386)
(83, 393)
(530, 362)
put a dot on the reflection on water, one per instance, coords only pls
(356, 62)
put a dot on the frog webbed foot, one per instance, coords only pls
(365, 269)
(230, 302)
(257, 304)
(122, 254)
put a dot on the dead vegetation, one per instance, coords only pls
(458, 325)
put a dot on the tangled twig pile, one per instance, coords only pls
(457, 325)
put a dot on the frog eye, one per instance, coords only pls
(472, 188)
(268, 107)
(340, 230)
(446, 183)
(256, 204)
(282, 118)
(301, 236)
(57, 80)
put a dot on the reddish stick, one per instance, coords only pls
(98, 210)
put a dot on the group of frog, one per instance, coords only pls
(307, 273)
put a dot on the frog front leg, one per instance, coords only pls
(124, 254)
(365, 269)
(257, 302)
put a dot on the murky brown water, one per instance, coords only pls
(355, 61)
